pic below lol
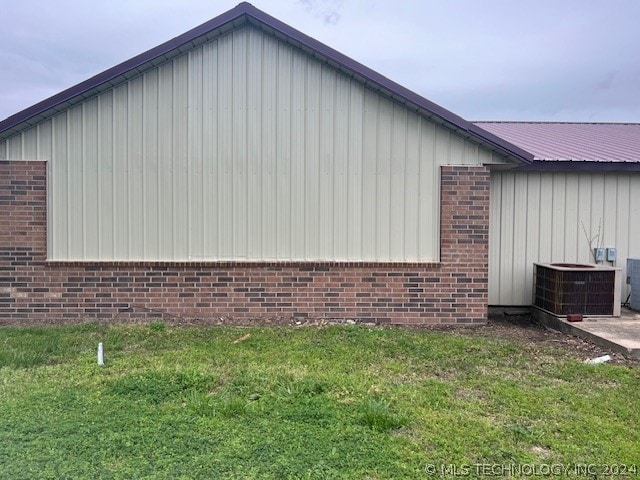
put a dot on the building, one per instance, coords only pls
(246, 170)
(582, 188)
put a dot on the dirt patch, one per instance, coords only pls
(523, 328)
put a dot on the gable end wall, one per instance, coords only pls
(243, 148)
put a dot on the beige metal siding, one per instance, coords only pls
(539, 217)
(243, 148)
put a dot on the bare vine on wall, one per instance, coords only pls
(597, 238)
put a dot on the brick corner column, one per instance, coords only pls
(464, 239)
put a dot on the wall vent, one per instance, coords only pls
(633, 278)
(565, 288)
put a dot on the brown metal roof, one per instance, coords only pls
(572, 142)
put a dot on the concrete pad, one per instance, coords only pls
(620, 334)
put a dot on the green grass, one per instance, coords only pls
(333, 402)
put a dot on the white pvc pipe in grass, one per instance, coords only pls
(100, 354)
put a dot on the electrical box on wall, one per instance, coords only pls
(598, 254)
(611, 254)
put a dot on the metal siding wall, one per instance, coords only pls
(428, 189)
(30, 144)
(342, 168)
(311, 161)
(106, 187)
(624, 218)
(534, 221)
(283, 149)
(121, 171)
(57, 191)
(369, 193)
(75, 183)
(355, 170)
(209, 149)
(180, 158)
(254, 143)
(243, 148)
(633, 220)
(410, 212)
(325, 177)
(495, 235)
(298, 148)
(150, 186)
(382, 173)
(90, 180)
(268, 164)
(194, 153)
(14, 147)
(539, 217)
(397, 184)
(165, 163)
(239, 145)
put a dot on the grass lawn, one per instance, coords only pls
(314, 402)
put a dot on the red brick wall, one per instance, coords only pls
(452, 291)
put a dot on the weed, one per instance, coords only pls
(232, 406)
(157, 386)
(157, 326)
(377, 414)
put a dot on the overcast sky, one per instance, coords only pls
(562, 60)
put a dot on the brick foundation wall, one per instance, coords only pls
(33, 290)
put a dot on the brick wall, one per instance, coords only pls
(33, 290)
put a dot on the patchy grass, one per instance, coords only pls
(330, 402)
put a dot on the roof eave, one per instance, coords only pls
(583, 166)
(109, 77)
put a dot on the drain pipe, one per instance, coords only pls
(100, 354)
